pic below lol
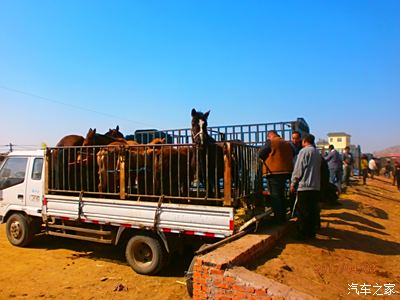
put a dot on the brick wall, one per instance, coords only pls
(219, 275)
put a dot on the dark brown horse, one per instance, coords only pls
(63, 163)
(71, 140)
(97, 139)
(173, 176)
(115, 133)
(208, 158)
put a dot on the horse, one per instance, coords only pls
(64, 161)
(88, 156)
(108, 164)
(208, 159)
(171, 169)
(71, 140)
(96, 139)
(115, 133)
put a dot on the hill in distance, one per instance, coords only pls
(389, 150)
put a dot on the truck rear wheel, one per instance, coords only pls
(145, 254)
(189, 273)
(19, 231)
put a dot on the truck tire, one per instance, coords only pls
(19, 231)
(189, 278)
(189, 273)
(145, 254)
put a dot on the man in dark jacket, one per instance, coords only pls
(277, 155)
(347, 165)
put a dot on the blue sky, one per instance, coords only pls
(66, 66)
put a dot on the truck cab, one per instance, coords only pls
(21, 184)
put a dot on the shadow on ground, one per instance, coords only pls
(176, 267)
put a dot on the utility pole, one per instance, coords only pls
(11, 147)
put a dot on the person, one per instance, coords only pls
(335, 167)
(364, 168)
(397, 174)
(295, 143)
(347, 165)
(306, 179)
(277, 155)
(372, 167)
(388, 169)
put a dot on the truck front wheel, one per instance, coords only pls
(19, 231)
(145, 254)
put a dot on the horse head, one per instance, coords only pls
(115, 133)
(90, 137)
(199, 127)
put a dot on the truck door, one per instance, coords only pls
(34, 183)
(13, 181)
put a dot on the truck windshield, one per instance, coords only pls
(12, 172)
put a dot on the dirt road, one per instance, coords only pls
(359, 244)
(57, 268)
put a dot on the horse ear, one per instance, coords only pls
(94, 130)
(206, 114)
(117, 128)
(193, 112)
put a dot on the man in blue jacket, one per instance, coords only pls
(306, 178)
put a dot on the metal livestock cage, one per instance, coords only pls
(179, 172)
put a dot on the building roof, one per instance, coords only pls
(338, 134)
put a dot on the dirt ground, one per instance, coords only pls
(58, 268)
(358, 245)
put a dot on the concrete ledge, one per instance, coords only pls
(219, 275)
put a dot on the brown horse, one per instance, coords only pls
(171, 167)
(208, 159)
(108, 162)
(96, 139)
(139, 165)
(89, 159)
(64, 160)
(71, 140)
(115, 133)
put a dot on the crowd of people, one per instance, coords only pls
(312, 176)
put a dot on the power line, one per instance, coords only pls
(71, 105)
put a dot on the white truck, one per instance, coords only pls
(148, 198)
(151, 230)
